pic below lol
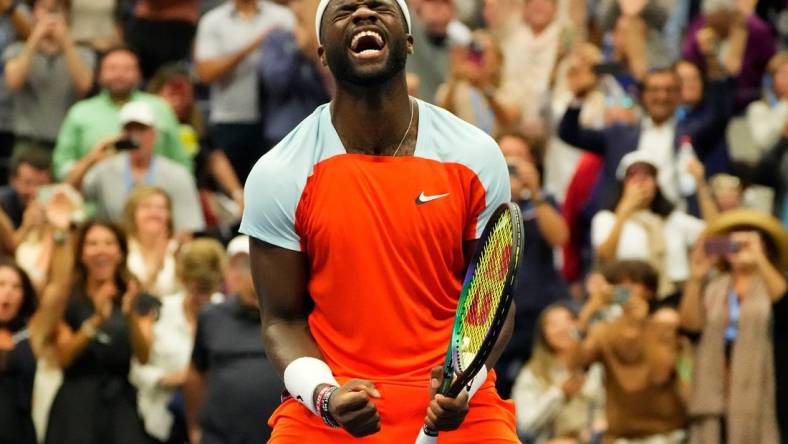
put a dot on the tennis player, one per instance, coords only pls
(362, 221)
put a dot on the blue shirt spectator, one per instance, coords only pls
(292, 83)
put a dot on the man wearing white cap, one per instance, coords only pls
(109, 182)
(362, 222)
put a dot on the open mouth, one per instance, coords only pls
(367, 44)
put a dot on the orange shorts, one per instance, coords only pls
(402, 410)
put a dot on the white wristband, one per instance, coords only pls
(477, 382)
(303, 375)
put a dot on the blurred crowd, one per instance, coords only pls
(647, 146)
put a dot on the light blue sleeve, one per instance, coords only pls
(271, 197)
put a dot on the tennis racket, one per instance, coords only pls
(484, 302)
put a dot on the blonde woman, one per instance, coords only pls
(200, 266)
(554, 402)
(147, 219)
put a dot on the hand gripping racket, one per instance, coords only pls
(484, 302)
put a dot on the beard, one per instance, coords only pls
(344, 71)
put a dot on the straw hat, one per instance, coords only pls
(743, 217)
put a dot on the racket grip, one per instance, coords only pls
(425, 437)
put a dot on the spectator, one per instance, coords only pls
(90, 122)
(477, 90)
(293, 79)
(40, 104)
(531, 48)
(35, 240)
(27, 324)
(772, 171)
(734, 373)
(111, 181)
(30, 170)
(432, 45)
(657, 134)
(638, 25)
(200, 266)
(727, 191)
(162, 32)
(213, 170)
(227, 55)
(99, 331)
(231, 384)
(14, 25)
(147, 220)
(748, 44)
(639, 352)
(96, 23)
(17, 360)
(554, 402)
(768, 117)
(545, 230)
(643, 225)
(706, 104)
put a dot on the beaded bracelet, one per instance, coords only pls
(321, 404)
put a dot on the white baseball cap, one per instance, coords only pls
(239, 245)
(137, 112)
(638, 156)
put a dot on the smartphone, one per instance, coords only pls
(512, 167)
(476, 53)
(612, 68)
(720, 245)
(128, 143)
(621, 295)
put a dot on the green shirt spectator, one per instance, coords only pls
(91, 121)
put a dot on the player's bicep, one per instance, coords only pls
(280, 277)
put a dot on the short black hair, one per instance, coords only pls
(637, 271)
(37, 157)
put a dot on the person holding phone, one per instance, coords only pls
(642, 224)
(476, 90)
(544, 230)
(639, 349)
(110, 181)
(741, 314)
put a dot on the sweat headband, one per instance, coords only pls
(321, 9)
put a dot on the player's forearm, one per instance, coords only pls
(503, 339)
(287, 340)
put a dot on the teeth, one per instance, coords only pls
(358, 36)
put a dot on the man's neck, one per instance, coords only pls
(141, 162)
(120, 99)
(246, 7)
(372, 120)
(661, 122)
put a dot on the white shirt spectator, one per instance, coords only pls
(171, 351)
(544, 412)
(680, 233)
(659, 142)
(223, 31)
(166, 281)
(767, 123)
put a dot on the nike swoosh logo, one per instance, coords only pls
(423, 198)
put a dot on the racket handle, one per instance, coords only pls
(427, 436)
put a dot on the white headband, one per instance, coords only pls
(321, 9)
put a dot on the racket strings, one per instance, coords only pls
(485, 291)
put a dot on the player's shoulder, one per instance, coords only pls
(298, 150)
(217, 14)
(455, 140)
